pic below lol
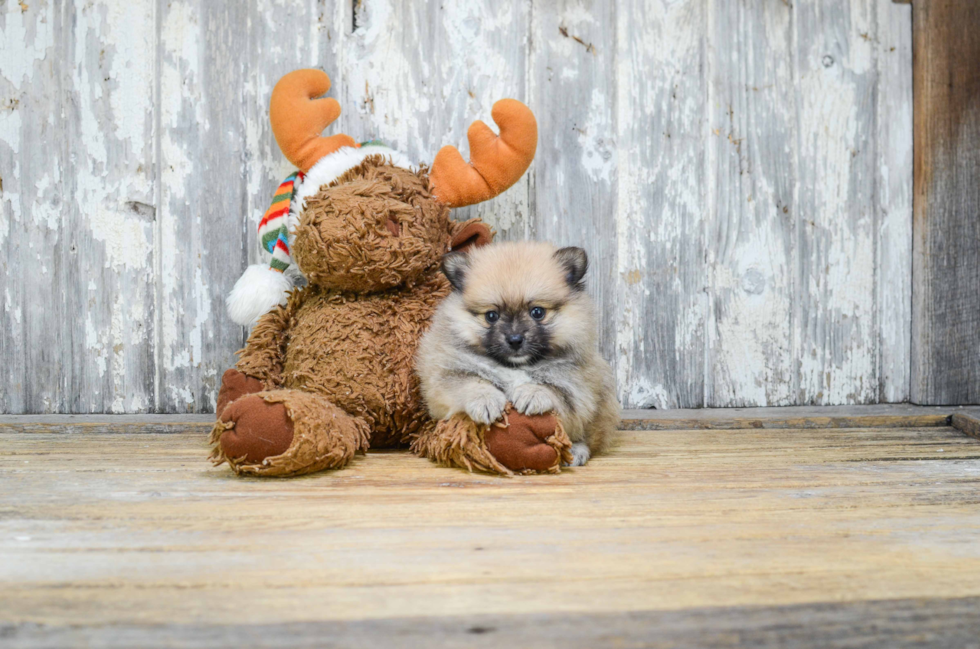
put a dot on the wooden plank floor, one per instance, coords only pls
(761, 536)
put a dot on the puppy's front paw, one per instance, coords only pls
(531, 399)
(580, 454)
(487, 407)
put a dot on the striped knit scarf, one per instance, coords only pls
(272, 229)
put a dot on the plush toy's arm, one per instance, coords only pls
(514, 444)
(265, 352)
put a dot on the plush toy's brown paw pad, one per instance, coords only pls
(522, 443)
(515, 443)
(257, 430)
(234, 384)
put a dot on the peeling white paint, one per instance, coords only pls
(838, 356)
(95, 345)
(181, 99)
(9, 213)
(127, 240)
(641, 393)
(894, 146)
(598, 153)
(659, 193)
(48, 210)
(202, 317)
(10, 127)
(750, 231)
(712, 283)
(24, 42)
(132, 34)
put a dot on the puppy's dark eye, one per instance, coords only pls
(492, 316)
(537, 313)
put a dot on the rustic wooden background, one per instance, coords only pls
(740, 172)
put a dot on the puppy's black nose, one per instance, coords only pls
(515, 340)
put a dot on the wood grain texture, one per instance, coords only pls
(34, 240)
(918, 623)
(751, 230)
(835, 162)
(108, 531)
(738, 172)
(416, 77)
(791, 417)
(110, 222)
(893, 256)
(871, 416)
(282, 36)
(660, 108)
(202, 189)
(572, 89)
(946, 295)
(967, 423)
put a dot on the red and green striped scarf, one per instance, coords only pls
(272, 229)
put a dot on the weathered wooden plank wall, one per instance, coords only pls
(946, 296)
(739, 171)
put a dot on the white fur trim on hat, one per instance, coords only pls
(259, 290)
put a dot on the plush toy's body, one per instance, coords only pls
(329, 371)
(351, 359)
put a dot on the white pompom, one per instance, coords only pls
(257, 291)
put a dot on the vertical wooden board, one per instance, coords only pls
(416, 76)
(282, 36)
(35, 339)
(893, 261)
(572, 86)
(661, 101)
(836, 343)
(946, 244)
(750, 243)
(110, 222)
(202, 54)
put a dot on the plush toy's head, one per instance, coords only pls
(376, 227)
(360, 217)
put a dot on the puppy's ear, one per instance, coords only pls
(575, 262)
(454, 267)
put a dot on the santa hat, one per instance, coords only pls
(264, 286)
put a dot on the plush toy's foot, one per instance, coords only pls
(234, 384)
(528, 443)
(254, 429)
(515, 444)
(286, 433)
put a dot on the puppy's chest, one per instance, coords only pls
(506, 378)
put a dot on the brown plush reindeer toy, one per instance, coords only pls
(328, 368)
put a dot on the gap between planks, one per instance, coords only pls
(964, 418)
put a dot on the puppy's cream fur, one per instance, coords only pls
(465, 367)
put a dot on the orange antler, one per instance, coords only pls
(298, 118)
(497, 162)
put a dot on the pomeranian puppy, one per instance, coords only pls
(519, 327)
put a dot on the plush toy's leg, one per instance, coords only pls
(286, 433)
(515, 444)
(234, 384)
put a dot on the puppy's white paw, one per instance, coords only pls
(532, 399)
(580, 454)
(486, 407)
